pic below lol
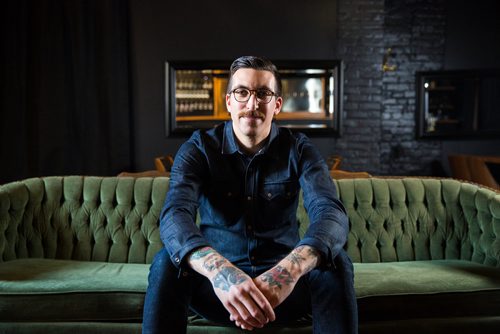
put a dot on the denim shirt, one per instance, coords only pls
(248, 205)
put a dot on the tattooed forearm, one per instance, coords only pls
(278, 276)
(201, 253)
(213, 262)
(295, 258)
(303, 259)
(227, 277)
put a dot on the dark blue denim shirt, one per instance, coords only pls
(247, 205)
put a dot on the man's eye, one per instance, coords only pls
(263, 93)
(241, 92)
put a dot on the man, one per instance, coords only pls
(245, 265)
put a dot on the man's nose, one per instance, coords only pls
(252, 102)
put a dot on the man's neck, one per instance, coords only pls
(250, 145)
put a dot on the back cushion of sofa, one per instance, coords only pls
(418, 219)
(83, 218)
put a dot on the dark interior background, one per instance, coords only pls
(83, 91)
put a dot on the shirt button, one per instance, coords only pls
(177, 260)
(249, 198)
(269, 195)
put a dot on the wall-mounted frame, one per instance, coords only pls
(312, 96)
(458, 104)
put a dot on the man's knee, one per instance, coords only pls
(162, 266)
(340, 273)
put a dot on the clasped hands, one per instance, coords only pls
(251, 302)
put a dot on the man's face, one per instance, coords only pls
(252, 119)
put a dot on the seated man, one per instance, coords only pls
(245, 265)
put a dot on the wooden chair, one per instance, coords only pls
(459, 167)
(481, 173)
(474, 168)
(333, 162)
(343, 174)
(164, 164)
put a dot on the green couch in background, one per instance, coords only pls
(74, 255)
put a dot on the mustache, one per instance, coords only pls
(251, 113)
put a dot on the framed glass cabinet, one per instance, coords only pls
(458, 103)
(195, 96)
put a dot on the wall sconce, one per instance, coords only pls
(385, 62)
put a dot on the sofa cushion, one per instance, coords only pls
(426, 289)
(423, 277)
(60, 290)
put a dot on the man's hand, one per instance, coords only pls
(278, 282)
(246, 304)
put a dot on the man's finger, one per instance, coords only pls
(244, 316)
(263, 304)
(234, 316)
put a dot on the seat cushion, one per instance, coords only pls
(60, 290)
(426, 289)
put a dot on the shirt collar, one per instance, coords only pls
(230, 145)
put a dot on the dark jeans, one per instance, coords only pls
(326, 294)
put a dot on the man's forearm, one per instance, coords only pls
(207, 261)
(278, 282)
(299, 262)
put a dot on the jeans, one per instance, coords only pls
(325, 293)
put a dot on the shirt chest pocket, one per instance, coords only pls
(277, 202)
(278, 191)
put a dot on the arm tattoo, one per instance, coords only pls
(278, 276)
(295, 258)
(213, 262)
(201, 253)
(227, 277)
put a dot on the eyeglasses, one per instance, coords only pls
(262, 95)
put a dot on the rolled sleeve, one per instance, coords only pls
(178, 229)
(329, 225)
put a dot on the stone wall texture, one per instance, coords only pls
(379, 133)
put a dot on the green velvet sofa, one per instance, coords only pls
(75, 254)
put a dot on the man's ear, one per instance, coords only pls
(277, 105)
(228, 102)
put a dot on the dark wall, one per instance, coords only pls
(472, 34)
(164, 30)
(472, 42)
(379, 107)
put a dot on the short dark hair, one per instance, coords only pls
(256, 63)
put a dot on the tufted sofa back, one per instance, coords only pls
(116, 219)
(82, 218)
(407, 219)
